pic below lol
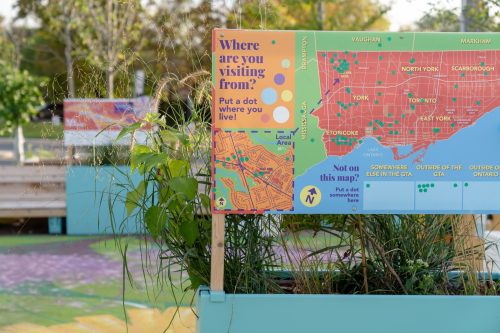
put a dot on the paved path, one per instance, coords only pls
(75, 285)
(67, 263)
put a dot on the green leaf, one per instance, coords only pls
(127, 130)
(183, 138)
(169, 200)
(153, 118)
(153, 160)
(168, 136)
(164, 194)
(178, 168)
(136, 156)
(144, 156)
(134, 198)
(185, 185)
(189, 231)
(155, 219)
(172, 136)
(195, 278)
(205, 200)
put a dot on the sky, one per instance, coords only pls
(6, 8)
(403, 12)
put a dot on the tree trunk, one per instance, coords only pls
(110, 82)
(19, 145)
(321, 16)
(465, 15)
(68, 43)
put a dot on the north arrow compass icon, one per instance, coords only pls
(310, 196)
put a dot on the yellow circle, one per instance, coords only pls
(220, 202)
(310, 196)
(286, 95)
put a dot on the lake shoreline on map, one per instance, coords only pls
(484, 133)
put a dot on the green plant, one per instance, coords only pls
(386, 254)
(19, 98)
(167, 202)
(172, 205)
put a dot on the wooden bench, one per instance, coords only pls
(32, 191)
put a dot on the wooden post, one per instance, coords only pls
(217, 267)
(469, 247)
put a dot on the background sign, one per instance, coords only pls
(84, 119)
(365, 122)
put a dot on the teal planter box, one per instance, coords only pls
(237, 313)
(91, 192)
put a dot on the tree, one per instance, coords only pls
(181, 31)
(107, 32)
(112, 35)
(63, 20)
(354, 15)
(443, 20)
(179, 39)
(478, 15)
(16, 37)
(7, 50)
(481, 15)
(19, 98)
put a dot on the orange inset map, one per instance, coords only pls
(253, 177)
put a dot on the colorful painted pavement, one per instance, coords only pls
(74, 284)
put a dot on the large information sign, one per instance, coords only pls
(89, 122)
(365, 122)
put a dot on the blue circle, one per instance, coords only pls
(269, 96)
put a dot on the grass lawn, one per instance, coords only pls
(49, 304)
(43, 130)
(111, 247)
(25, 240)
